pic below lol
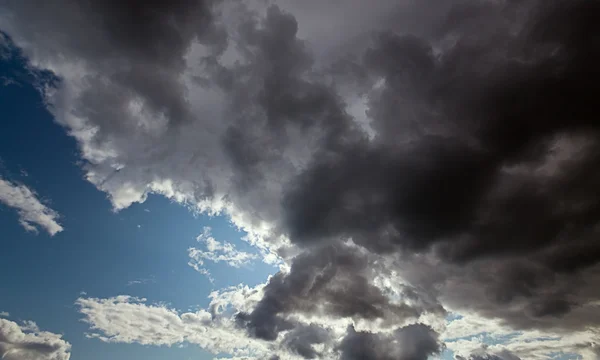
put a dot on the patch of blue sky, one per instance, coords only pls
(453, 316)
(488, 338)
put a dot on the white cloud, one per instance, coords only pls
(28, 342)
(31, 210)
(216, 252)
(4, 314)
(140, 281)
(128, 319)
(471, 334)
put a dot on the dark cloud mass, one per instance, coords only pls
(330, 281)
(412, 342)
(474, 171)
(485, 147)
(133, 50)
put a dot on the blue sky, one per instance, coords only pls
(140, 251)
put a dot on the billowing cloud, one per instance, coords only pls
(32, 212)
(28, 342)
(332, 281)
(402, 158)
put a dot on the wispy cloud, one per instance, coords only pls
(128, 319)
(216, 252)
(150, 280)
(32, 212)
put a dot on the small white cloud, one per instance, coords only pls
(216, 252)
(27, 342)
(4, 314)
(139, 226)
(31, 211)
(146, 210)
(141, 281)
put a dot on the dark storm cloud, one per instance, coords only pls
(486, 145)
(331, 281)
(161, 31)
(412, 342)
(277, 92)
(136, 50)
(444, 134)
(300, 341)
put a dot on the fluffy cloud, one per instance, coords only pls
(32, 212)
(412, 158)
(27, 342)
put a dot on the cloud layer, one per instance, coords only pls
(413, 159)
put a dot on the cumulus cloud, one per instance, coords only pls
(403, 159)
(32, 212)
(28, 342)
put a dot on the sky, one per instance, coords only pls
(286, 179)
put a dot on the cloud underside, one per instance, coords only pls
(32, 212)
(405, 159)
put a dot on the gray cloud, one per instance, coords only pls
(412, 342)
(330, 281)
(301, 340)
(484, 147)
